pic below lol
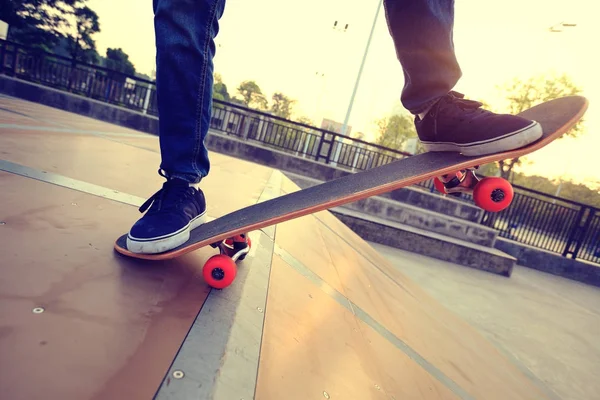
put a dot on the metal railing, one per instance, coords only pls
(140, 95)
(547, 222)
(300, 139)
(84, 79)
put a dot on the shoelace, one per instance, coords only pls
(464, 104)
(171, 192)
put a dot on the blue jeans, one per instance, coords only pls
(185, 32)
(185, 47)
(422, 31)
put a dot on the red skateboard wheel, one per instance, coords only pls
(493, 194)
(219, 271)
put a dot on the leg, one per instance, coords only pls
(185, 32)
(185, 48)
(422, 31)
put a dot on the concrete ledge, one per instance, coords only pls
(435, 202)
(427, 243)
(552, 263)
(78, 104)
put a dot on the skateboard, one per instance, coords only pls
(452, 172)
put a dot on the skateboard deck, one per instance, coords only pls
(556, 118)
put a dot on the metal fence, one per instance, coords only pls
(547, 222)
(300, 139)
(84, 79)
(536, 219)
(140, 94)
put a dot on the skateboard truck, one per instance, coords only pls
(454, 184)
(220, 270)
(492, 194)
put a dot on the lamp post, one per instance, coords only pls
(559, 28)
(362, 64)
(360, 70)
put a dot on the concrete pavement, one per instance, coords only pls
(548, 325)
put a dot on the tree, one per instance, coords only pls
(118, 60)
(37, 23)
(282, 105)
(63, 27)
(305, 120)
(81, 45)
(358, 135)
(393, 131)
(220, 89)
(523, 95)
(252, 95)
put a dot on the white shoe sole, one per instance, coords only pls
(510, 141)
(166, 242)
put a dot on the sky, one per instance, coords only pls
(291, 47)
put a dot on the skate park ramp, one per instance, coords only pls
(315, 313)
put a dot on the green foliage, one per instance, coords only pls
(305, 120)
(580, 193)
(358, 135)
(65, 28)
(393, 131)
(488, 170)
(220, 89)
(252, 96)
(282, 105)
(524, 94)
(38, 23)
(118, 60)
(81, 45)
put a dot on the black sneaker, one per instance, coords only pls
(460, 125)
(176, 209)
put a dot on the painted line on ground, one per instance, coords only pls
(526, 371)
(225, 339)
(73, 130)
(370, 321)
(32, 108)
(41, 120)
(61, 180)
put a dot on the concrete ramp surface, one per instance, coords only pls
(316, 312)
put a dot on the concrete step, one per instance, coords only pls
(417, 217)
(447, 205)
(431, 244)
(416, 197)
(406, 214)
